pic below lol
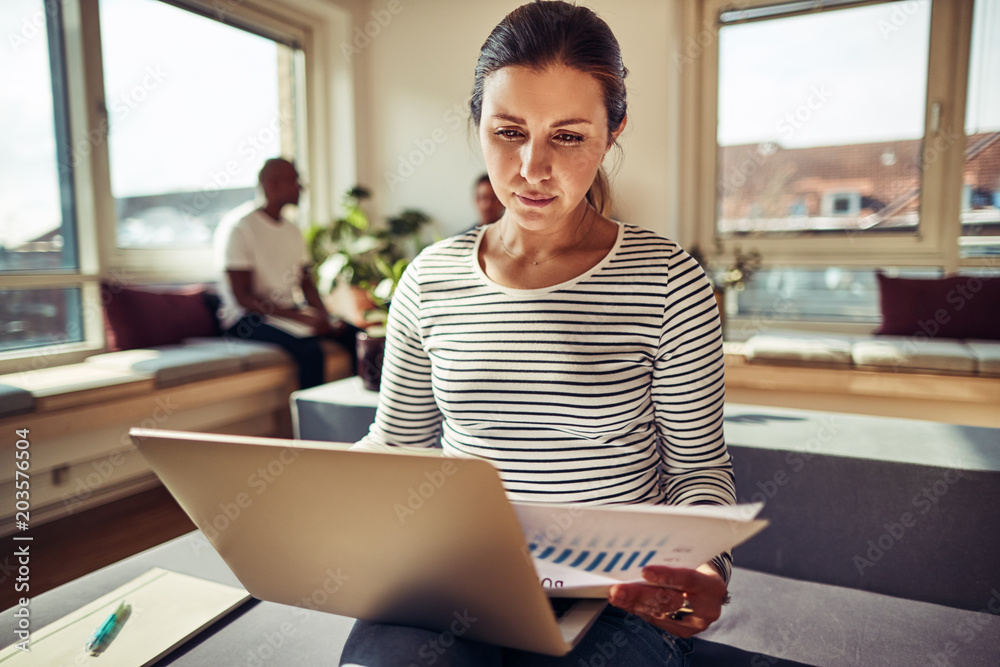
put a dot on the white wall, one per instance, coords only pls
(414, 78)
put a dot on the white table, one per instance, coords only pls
(338, 411)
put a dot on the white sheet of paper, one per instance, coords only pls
(581, 550)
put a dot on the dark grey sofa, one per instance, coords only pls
(883, 547)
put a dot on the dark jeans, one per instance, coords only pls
(617, 639)
(307, 352)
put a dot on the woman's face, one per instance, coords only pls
(544, 135)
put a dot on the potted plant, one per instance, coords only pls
(351, 251)
(734, 276)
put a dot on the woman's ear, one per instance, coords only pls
(618, 131)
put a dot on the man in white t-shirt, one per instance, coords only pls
(267, 275)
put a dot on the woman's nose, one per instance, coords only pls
(536, 161)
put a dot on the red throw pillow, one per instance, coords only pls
(137, 318)
(950, 307)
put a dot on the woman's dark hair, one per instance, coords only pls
(544, 33)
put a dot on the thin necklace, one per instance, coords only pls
(554, 255)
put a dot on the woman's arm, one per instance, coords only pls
(688, 390)
(688, 395)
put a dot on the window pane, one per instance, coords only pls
(981, 191)
(36, 219)
(195, 107)
(831, 294)
(821, 121)
(30, 318)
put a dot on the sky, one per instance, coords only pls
(842, 77)
(198, 111)
(160, 91)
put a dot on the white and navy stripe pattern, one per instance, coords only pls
(605, 389)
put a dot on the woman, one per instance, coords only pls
(582, 356)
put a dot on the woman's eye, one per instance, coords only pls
(565, 138)
(507, 134)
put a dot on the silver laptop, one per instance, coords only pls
(413, 538)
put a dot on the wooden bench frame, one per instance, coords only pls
(80, 454)
(956, 399)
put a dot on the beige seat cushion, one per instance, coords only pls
(799, 348)
(172, 365)
(909, 353)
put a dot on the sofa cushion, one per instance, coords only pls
(15, 400)
(60, 387)
(910, 353)
(817, 624)
(251, 353)
(987, 354)
(142, 319)
(172, 364)
(799, 348)
(950, 307)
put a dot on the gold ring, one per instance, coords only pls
(683, 612)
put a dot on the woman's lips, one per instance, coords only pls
(535, 200)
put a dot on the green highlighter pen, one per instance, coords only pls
(109, 629)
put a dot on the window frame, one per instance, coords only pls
(325, 109)
(937, 241)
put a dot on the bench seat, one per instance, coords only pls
(938, 380)
(77, 416)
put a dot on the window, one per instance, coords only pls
(981, 176)
(37, 219)
(189, 127)
(832, 101)
(839, 146)
(37, 227)
(37, 317)
(129, 126)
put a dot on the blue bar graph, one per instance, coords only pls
(597, 561)
(611, 565)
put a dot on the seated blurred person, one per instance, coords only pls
(489, 206)
(266, 272)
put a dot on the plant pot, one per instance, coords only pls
(371, 349)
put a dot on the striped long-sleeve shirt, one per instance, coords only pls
(607, 388)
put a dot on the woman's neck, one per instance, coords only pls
(524, 245)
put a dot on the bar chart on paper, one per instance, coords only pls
(591, 545)
(607, 560)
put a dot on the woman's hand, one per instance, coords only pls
(681, 601)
